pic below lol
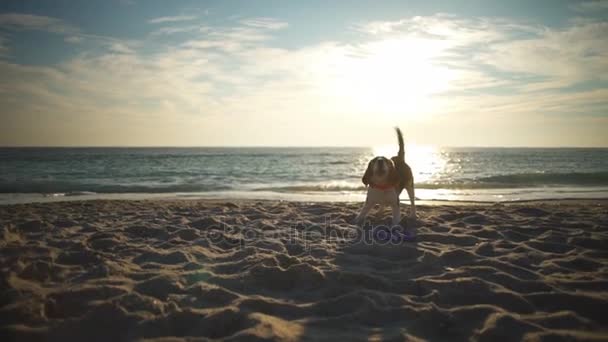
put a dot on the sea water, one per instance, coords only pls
(308, 174)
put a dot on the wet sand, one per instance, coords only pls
(288, 271)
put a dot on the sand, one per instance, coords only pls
(240, 271)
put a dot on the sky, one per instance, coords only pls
(303, 73)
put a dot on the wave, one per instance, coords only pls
(575, 178)
(311, 188)
(523, 180)
(74, 189)
(71, 194)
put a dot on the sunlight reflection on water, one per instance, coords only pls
(428, 163)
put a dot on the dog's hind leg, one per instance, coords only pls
(410, 192)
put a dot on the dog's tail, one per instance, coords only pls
(401, 153)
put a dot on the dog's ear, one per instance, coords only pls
(368, 173)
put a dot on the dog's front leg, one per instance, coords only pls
(396, 213)
(380, 211)
(366, 208)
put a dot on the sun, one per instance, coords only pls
(393, 78)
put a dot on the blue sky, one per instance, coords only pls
(289, 73)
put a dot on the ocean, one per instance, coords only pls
(300, 174)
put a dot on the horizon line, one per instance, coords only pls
(276, 146)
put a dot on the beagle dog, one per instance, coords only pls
(385, 180)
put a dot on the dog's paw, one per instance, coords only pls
(409, 221)
(411, 233)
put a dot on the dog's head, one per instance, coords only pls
(380, 170)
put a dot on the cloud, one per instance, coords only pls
(443, 26)
(18, 21)
(565, 56)
(3, 46)
(173, 19)
(169, 30)
(15, 22)
(72, 34)
(230, 84)
(556, 57)
(265, 23)
(73, 39)
(229, 39)
(120, 47)
(590, 6)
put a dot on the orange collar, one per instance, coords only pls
(383, 186)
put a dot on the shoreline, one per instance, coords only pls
(24, 198)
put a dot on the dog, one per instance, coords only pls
(385, 179)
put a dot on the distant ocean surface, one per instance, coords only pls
(308, 174)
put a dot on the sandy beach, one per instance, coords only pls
(289, 271)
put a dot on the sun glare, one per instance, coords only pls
(393, 78)
(427, 161)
